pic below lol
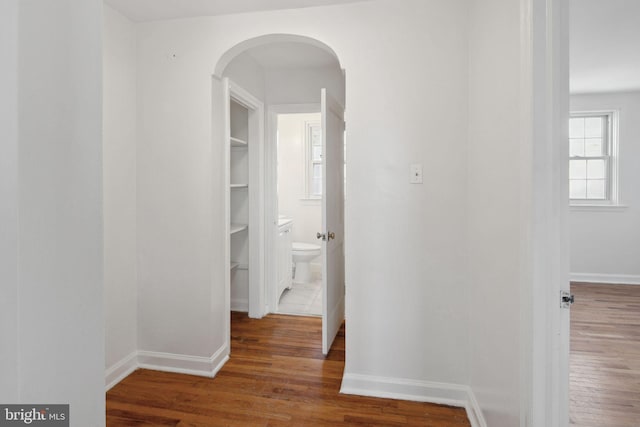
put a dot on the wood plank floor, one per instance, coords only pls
(277, 376)
(604, 385)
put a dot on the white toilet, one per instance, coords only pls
(303, 254)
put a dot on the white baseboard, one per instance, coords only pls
(619, 279)
(419, 391)
(183, 364)
(120, 370)
(240, 304)
(167, 362)
(474, 413)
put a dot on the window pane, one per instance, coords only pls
(316, 153)
(593, 147)
(593, 127)
(595, 189)
(578, 169)
(589, 163)
(316, 135)
(576, 147)
(314, 159)
(576, 127)
(595, 169)
(317, 171)
(578, 189)
(316, 187)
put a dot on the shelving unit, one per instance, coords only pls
(239, 146)
(236, 228)
(241, 119)
(237, 142)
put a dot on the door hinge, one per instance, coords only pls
(566, 299)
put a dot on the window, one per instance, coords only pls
(313, 144)
(592, 168)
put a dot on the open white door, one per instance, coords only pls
(332, 219)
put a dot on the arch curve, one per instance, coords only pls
(237, 49)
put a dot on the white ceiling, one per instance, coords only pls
(291, 55)
(155, 10)
(605, 45)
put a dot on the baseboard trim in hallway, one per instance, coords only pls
(120, 370)
(418, 391)
(601, 279)
(166, 362)
(183, 364)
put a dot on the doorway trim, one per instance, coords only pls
(271, 193)
(266, 199)
(265, 39)
(544, 124)
(256, 303)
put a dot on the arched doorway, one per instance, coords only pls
(278, 74)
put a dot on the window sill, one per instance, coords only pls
(597, 208)
(311, 201)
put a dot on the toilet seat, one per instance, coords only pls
(305, 247)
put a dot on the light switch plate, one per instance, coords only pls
(416, 173)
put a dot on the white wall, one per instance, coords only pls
(406, 66)
(179, 308)
(246, 72)
(60, 237)
(299, 85)
(306, 214)
(119, 175)
(495, 217)
(605, 245)
(285, 85)
(9, 201)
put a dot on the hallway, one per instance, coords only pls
(277, 376)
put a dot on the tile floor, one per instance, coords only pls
(302, 299)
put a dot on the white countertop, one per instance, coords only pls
(283, 221)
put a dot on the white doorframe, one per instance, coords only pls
(271, 193)
(256, 197)
(544, 123)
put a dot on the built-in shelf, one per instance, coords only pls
(240, 145)
(237, 142)
(235, 266)
(236, 228)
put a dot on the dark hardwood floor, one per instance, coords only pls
(605, 356)
(277, 376)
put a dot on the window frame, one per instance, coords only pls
(610, 157)
(309, 162)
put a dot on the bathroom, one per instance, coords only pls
(299, 146)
